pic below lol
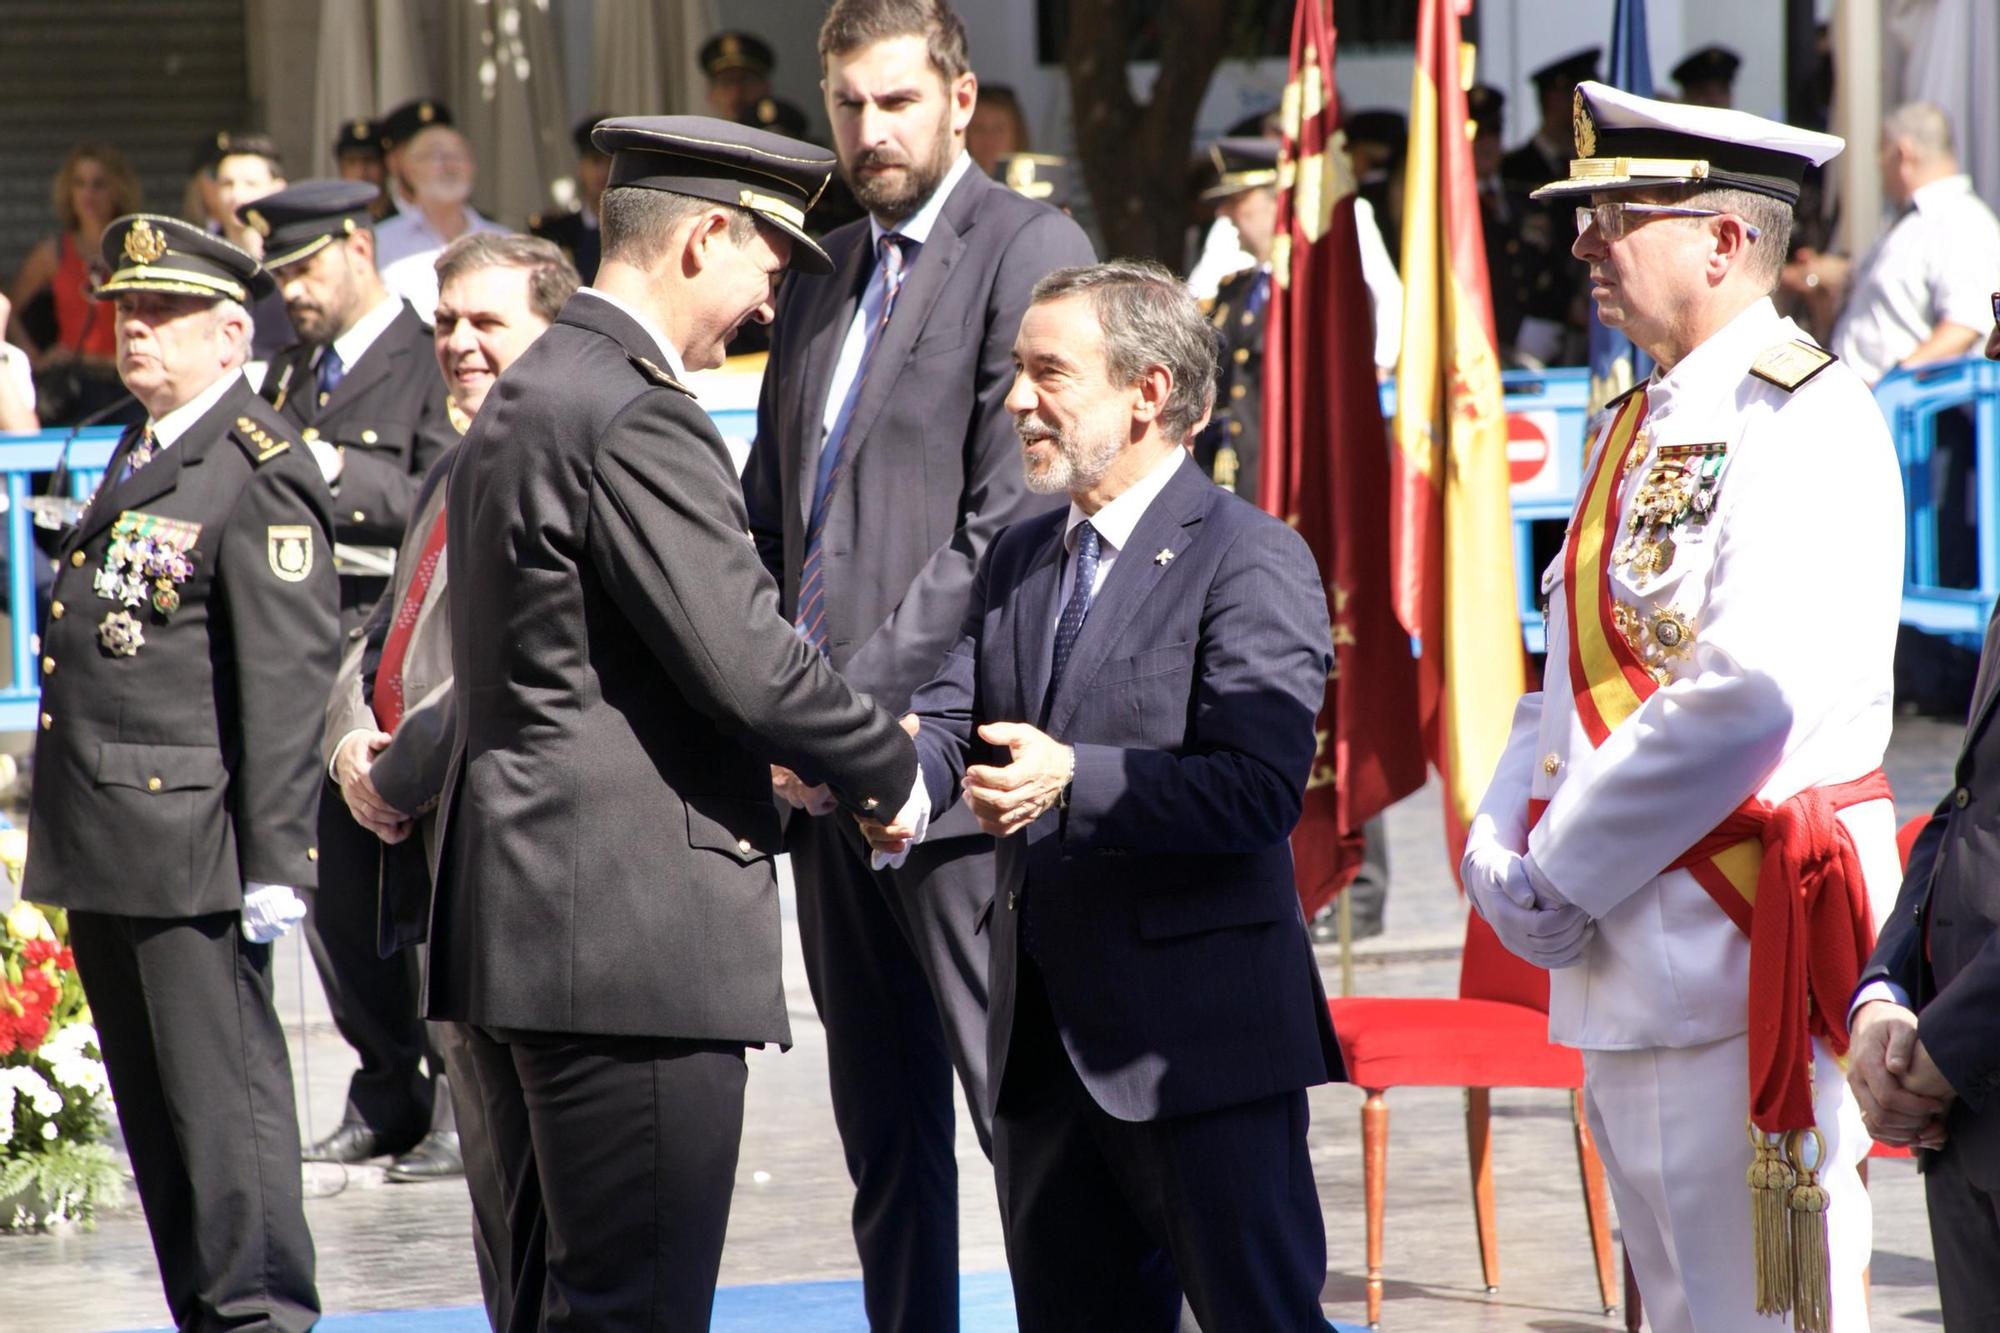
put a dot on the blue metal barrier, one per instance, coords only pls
(1546, 419)
(21, 457)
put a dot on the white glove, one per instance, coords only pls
(1497, 883)
(269, 910)
(915, 816)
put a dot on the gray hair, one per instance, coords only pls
(1924, 127)
(1770, 215)
(1148, 318)
(637, 224)
(552, 279)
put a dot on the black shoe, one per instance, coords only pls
(352, 1142)
(436, 1157)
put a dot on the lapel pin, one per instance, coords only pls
(1165, 557)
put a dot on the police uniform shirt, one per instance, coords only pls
(406, 251)
(1938, 263)
(1782, 611)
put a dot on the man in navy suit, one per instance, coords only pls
(1129, 710)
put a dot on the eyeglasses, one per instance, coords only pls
(1611, 219)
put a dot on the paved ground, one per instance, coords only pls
(387, 1247)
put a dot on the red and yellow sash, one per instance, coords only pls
(1787, 875)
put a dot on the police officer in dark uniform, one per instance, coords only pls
(357, 156)
(738, 66)
(1553, 317)
(1043, 176)
(364, 392)
(1707, 76)
(1245, 192)
(606, 909)
(175, 772)
(576, 232)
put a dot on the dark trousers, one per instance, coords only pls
(203, 1086)
(1965, 1239)
(899, 979)
(508, 1229)
(631, 1143)
(374, 1000)
(1108, 1222)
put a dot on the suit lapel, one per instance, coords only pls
(1034, 613)
(1166, 526)
(831, 306)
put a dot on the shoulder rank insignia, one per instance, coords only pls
(660, 375)
(260, 444)
(1791, 364)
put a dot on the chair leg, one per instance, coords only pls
(1374, 1175)
(1479, 1152)
(1635, 1314)
(1596, 1206)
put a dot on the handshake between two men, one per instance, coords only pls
(1004, 798)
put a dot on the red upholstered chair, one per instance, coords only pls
(1494, 1035)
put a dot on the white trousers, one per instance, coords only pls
(1670, 1123)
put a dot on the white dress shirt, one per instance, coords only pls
(1792, 591)
(406, 251)
(1939, 263)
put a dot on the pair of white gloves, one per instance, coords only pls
(269, 910)
(1525, 911)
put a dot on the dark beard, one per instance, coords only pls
(896, 201)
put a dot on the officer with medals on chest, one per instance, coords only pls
(175, 774)
(1689, 824)
(364, 391)
(1246, 192)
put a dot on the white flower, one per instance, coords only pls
(19, 1082)
(70, 1056)
(49, 1129)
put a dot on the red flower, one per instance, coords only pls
(38, 951)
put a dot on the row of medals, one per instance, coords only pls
(1679, 489)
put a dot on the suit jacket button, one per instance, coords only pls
(743, 846)
(47, 722)
(870, 804)
(1961, 798)
(55, 610)
(369, 437)
(360, 517)
(48, 666)
(77, 558)
(152, 784)
(312, 853)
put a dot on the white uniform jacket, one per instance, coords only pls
(1790, 594)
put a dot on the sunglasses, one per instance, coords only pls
(1613, 220)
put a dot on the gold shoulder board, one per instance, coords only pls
(1790, 364)
(660, 375)
(260, 444)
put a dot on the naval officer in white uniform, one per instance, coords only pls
(1705, 752)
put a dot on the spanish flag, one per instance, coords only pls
(1327, 473)
(1451, 525)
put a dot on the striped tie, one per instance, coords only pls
(811, 618)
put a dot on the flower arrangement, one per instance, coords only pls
(55, 1168)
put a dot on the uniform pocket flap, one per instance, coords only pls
(740, 828)
(159, 767)
(1166, 913)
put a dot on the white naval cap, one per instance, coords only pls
(1627, 142)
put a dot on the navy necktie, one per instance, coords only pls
(331, 369)
(811, 617)
(1077, 607)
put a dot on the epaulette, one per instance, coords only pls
(1790, 364)
(660, 375)
(260, 444)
